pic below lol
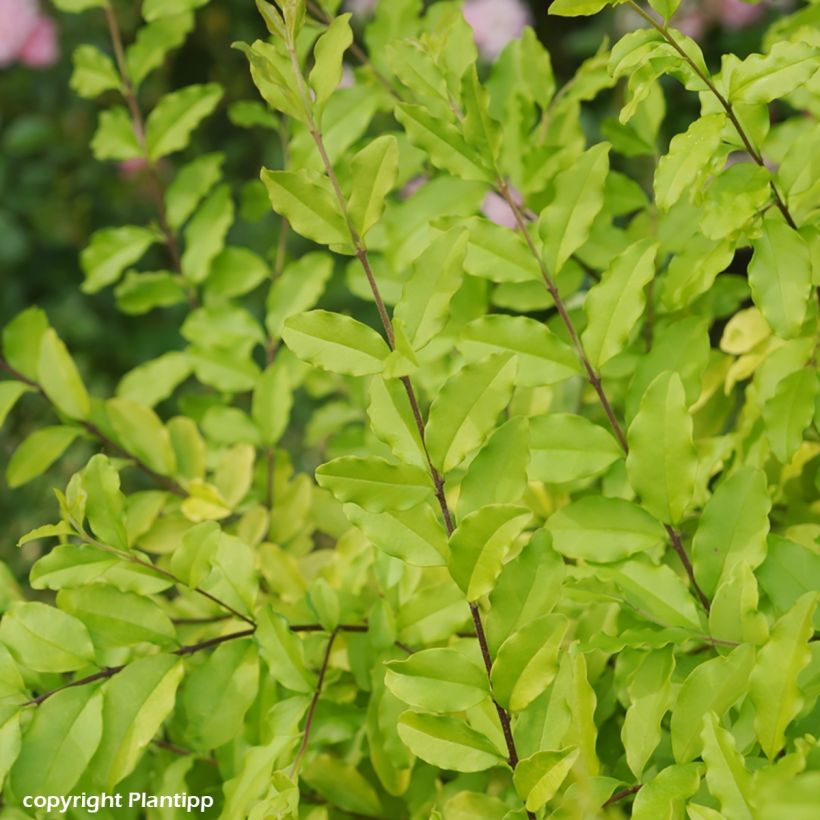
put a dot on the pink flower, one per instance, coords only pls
(413, 185)
(496, 209)
(41, 49)
(735, 14)
(130, 168)
(18, 20)
(495, 23)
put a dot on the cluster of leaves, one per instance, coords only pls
(561, 555)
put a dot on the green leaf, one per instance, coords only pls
(527, 661)
(297, 289)
(538, 777)
(666, 8)
(307, 201)
(143, 435)
(115, 137)
(599, 529)
(713, 686)
(205, 234)
(763, 78)
(649, 698)
(498, 474)
(726, 773)
(442, 142)
(282, 652)
(694, 271)
(415, 536)
(665, 795)
(110, 252)
(480, 543)
(10, 392)
(688, 155)
(662, 462)
(780, 276)
(465, 409)
(236, 271)
(94, 72)
(335, 342)
(105, 503)
(774, 679)
(542, 357)
(45, 639)
(789, 571)
(790, 411)
(190, 185)
(156, 380)
(136, 703)
(46, 531)
(447, 742)
(499, 254)
(157, 9)
(59, 378)
(392, 420)
(343, 785)
(374, 483)
(527, 588)
(153, 42)
(59, 742)
(169, 126)
(732, 528)
(577, 8)
(37, 453)
(565, 224)
(74, 6)
(565, 447)
(272, 400)
(439, 680)
(617, 302)
(326, 74)
(217, 694)
(142, 292)
(22, 339)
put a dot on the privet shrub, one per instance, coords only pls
(558, 555)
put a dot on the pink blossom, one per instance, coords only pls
(130, 168)
(412, 185)
(496, 209)
(18, 20)
(41, 49)
(735, 14)
(495, 23)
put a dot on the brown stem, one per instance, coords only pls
(110, 671)
(181, 752)
(724, 103)
(313, 703)
(622, 794)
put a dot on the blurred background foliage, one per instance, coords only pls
(54, 194)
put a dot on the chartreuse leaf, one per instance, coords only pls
(789, 571)
(436, 276)
(115, 138)
(374, 483)
(392, 420)
(45, 639)
(282, 651)
(466, 408)
(734, 614)
(662, 463)
(169, 126)
(105, 503)
(375, 169)
(664, 797)
(565, 447)
(566, 222)
(439, 680)
(498, 474)
(142, 433)
(527, 588)
(649, 698)
(688, 155)
(774, 687)
(714, 686)
(732, 528)
(601, 529)
(480, 543)
(790, 411)
(136, 703)
(45, 531)
(447, 742)
(542, 357)
(343, 785)
(157, 9)
(498, 254)
(780, 276)
(217, 694)
(527, 661)
(153, 42)
(762, 78)
(415, 536)
(59, 742)
(537, 778)
(693, 271)
(335, 342)
(189, 447)
(726, 772)
(615, 304)
(577, 8)
(297, 289)
(272, 401)
(117, 618)
(190, 185)
(74, 6)
(59, 378)
(94, 72)
(205, 234)
(326, 74)
(22, 338)
(306, 200)
(37, 452)
(111, 251)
